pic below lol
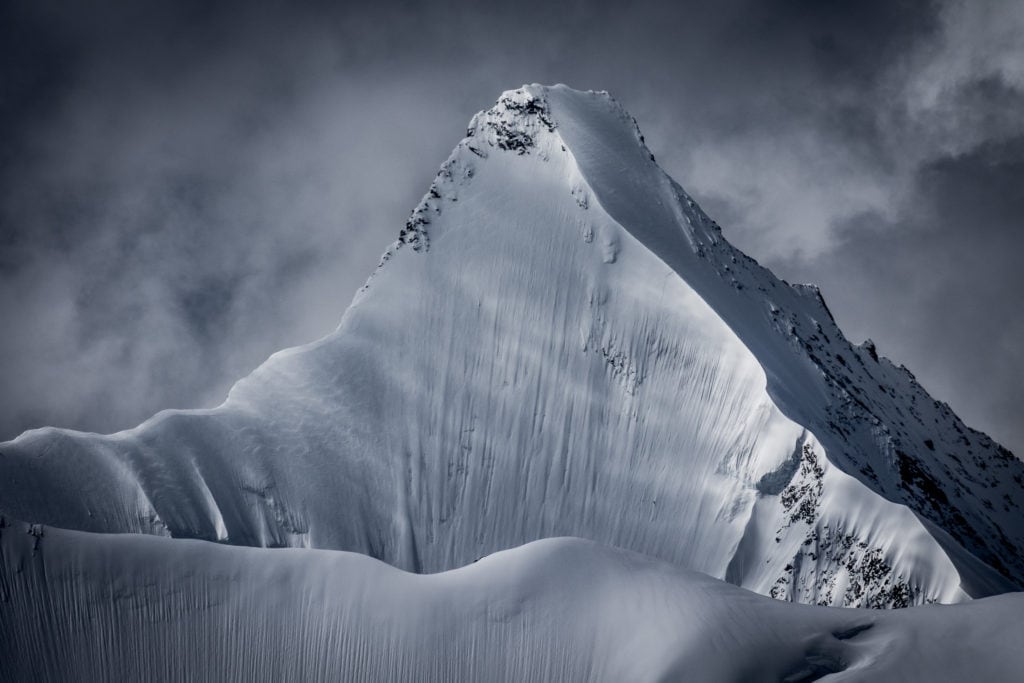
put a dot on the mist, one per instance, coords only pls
(186, 189)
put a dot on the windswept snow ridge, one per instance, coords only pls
(86, 607)
(561, 343)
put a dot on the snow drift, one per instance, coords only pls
(86, 607)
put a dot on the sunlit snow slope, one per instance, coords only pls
(83, 607)
(562, 343)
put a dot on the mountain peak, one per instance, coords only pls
(515, 120)
(589, 129)
(561, 342)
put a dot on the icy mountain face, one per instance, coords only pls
(83, 607)
(562, 343)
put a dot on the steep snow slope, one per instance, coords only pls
(561, 343)
(874, 419)
(133, 608)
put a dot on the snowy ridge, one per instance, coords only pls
(876, 422)
(84, 607)
(561, 343)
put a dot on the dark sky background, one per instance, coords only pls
(186, 188)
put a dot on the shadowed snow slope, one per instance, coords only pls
(562, 344)
(86, 607)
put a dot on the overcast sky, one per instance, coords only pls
(185, 189)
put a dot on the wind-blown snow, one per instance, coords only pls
(562, 344)
(85, 607)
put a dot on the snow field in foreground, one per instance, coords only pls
(85, 607)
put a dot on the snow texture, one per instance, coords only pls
(84, 607)
(561, 343)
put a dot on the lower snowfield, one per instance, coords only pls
(84, 607)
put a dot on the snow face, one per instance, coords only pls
(561, 343)
(85, 607)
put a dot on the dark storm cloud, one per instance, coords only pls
(186, 188)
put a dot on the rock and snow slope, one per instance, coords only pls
(83, 607)
(562, 343)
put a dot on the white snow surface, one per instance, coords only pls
(84, 607)
(561, 343)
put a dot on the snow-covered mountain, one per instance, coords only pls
(561, 343)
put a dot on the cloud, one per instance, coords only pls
(978, 40)
(941, 287)
(186, 188)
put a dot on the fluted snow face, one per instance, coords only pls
(527, 362)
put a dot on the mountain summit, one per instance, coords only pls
(561, 343)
